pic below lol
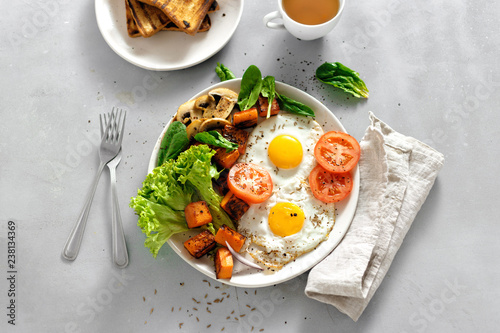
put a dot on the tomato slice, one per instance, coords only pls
(337, 151)
(250, 182)
(329, 187)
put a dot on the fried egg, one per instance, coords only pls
(292, 221)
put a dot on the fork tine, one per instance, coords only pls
(120, 137)
(108, 129)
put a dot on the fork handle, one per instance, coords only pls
(120, 253)
(70, 251)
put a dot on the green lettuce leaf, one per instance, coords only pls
(159, 222)
(194, 167)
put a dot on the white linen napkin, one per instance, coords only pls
(396, 175)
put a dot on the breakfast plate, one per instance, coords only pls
(167, 50)
(252, 278)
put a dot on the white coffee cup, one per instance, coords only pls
(299, 30)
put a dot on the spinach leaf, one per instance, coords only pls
(293, 106)
(173, 143)
(251, 85)
(223, 72)
(342, 77)
(269, 91)
(216, 139)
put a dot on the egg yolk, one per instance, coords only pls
(286, 219)
(285, 151)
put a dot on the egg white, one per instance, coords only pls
(289, 185)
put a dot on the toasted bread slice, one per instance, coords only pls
(187, 15)
(205, 25)
(132, 29)
(149, 19)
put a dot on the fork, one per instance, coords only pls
(110, 146)
(120, 253)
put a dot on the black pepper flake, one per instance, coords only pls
(186, 23)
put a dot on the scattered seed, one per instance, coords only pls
(152, 309)
(248, 306)
(223, 329)
(194, 300)
(195, 309)
(143, 299)
(155, 291)
(180, 325)
(145, 322)
(172, 309)
(243, 315)
(208, 326)
(252, 309)
(236, 318)
(197, 319)
(232, 312)
(208, 310)
(206, 295)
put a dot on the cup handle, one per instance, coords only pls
(273, 25)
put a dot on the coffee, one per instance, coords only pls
(311, 12)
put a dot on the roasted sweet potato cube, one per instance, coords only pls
(236, 135)
(220, 184)
(223, 263)
(225, 159)
(234, 207)
(247, 118)
(233, 238)
(200, 244)
(197, 214)
(264, 105)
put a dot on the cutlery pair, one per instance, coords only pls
(112, 127)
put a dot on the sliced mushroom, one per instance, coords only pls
(210, 124)
(188, 112)
(206, 103)
(226, 99)
(194, 127)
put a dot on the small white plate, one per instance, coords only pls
(167, 50)
(252, 278)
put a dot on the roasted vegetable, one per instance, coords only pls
(247, 118)
(264, 107)
(220, 184)
(236, 135)
(233, 206)
(200, 244)
(225, 159)
(223, 263)
(197, 214)
(234, 238)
